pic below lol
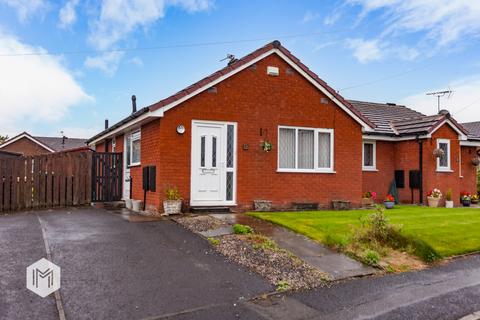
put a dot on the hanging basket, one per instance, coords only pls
(438, 153)
(476, 162)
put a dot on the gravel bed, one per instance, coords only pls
(201, 223)
(274, 264)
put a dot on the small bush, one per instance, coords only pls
(242, 229)
(371, 257)
(213, 241)
(282, 286)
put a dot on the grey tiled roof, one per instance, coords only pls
(473, 129)
(383, 114)
(416, 125)
(57, 143)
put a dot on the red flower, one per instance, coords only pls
(389, 198)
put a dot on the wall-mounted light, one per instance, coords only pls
(180, 129)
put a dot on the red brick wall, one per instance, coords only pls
(26, 147)
(469, 171)
(380, 180)
(257, 101)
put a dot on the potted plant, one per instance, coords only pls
(466, 198)
(173, 202)
(389, 201)
(368, 199)
(448, 199)
(434, 197)
(266, 146)
(474, 199)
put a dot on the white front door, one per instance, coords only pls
(213, 163)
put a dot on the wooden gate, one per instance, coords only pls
(62, 179)
(107, 173)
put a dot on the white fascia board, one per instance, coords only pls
(470, 143)
(135, 122)
(390, 138)
(25, 135)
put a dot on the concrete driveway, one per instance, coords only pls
(113, 269)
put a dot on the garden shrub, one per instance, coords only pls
(376, 232)
(371, 257)
(242, 229)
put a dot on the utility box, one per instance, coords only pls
(149, 178)
(400, 179)
(415, 179)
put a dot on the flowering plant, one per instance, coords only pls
(370, 195)
(266, 146)
(389, 198)
(465, 195)
(475, 197)
(435, 193)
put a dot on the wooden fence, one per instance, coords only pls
(46, 181)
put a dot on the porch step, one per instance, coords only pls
(210, 209)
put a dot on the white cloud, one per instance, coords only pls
(119, 18)
(365, 50)
(107, 62)
(444, 21)
(26, 8)
(463, 104)
(310, 16)
(33, 89)
(67, 15)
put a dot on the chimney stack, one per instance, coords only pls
(134, 104)
(106, 123)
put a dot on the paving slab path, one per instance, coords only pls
(337, 265)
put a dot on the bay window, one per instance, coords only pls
(305, 149)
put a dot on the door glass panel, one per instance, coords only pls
(229, 186)
(230, 146)
(214, 152)
(202, 151)
(444, 157)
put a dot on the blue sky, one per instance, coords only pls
(379, 50)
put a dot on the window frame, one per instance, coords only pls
(449, 156)
(374, 156)
(316, 168)
(134, 136)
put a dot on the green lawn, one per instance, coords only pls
(448, 231)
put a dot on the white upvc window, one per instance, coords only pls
(369, 156)
(444, 162)
(133, 151)
(303, 149)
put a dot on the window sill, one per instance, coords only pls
(370, 169)
(444, 171)
(305, 171)
(134, 165)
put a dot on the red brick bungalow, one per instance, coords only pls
(209, 141)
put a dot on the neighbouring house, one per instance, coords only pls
(267, 127)
(28, 145)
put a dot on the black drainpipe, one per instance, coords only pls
(420, 169)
